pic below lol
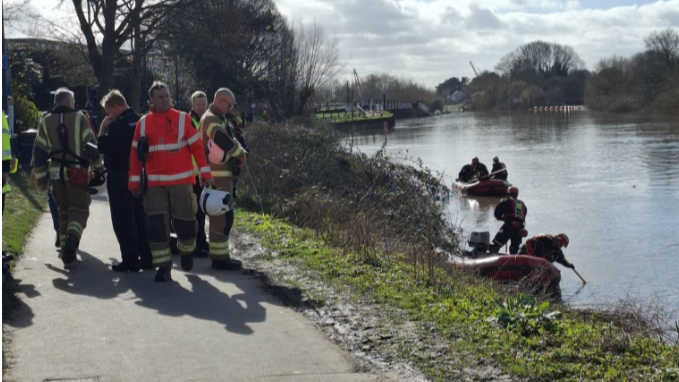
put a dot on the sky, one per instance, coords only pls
(432, 40)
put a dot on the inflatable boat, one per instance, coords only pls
(486, 187)
(504, 267)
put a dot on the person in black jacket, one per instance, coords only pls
(512, 212)
(475, 171)
(499, 169)
(127, 212)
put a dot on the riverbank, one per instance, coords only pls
(367, 242)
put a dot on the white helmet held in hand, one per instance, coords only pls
(214, 202)
(215, 154)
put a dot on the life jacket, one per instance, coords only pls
(529, 243)
(515, 211)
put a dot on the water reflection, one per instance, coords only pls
(611, 182)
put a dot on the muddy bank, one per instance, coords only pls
(380, 336)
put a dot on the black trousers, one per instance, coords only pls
(506, 233)
(201, 237)
(128, 218)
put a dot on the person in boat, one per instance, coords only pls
(548, 247)
(473, 171)
(512, 212)
(499, 169)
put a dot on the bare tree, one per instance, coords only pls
(318, 61)
(664, 45)
(539, 60)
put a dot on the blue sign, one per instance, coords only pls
(4, 61)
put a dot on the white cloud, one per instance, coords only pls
(431, 41)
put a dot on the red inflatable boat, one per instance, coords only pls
(487, 187)
(503, 267)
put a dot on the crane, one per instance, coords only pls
(476, 74)
(357, 83)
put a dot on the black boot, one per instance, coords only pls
(227, 265)
(57, 243)
(69, 256)
(126, 266)
(200, 252)
(187, 263)
(163, 274)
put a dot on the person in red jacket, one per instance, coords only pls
(548, 247)
(164, 142)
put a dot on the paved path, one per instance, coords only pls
(90, 324)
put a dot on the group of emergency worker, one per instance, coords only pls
(164, 172)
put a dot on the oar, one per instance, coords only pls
(492, 173)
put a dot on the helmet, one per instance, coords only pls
(215, 154)
(475, 160)
(214, 202)
(496, 159)
(563, 239)
(97, 183)
(513, 191)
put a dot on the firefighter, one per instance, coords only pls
(499, 169)
(8, 159)
(548, 247)
(224, 154)
(65, 149)
(164, 142)
(238, 134)
(198, 109)
(474, 171)
(512, 212)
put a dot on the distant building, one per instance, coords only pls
(456, 97)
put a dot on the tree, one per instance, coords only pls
(107, 25)
(537, 61)
(451, 84)
(664, 46)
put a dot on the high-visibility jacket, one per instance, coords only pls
(545, 246)
(6, 147)
(172, 141)
(214, 126)
(53, 151)
(510, 210)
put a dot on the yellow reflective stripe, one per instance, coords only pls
(76, 138)
(238, 151)
(212, 126)
(222, 174)
(40, 140)
(186, 248)
(217, 245)
(75, 227)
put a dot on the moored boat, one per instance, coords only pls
(487, 187)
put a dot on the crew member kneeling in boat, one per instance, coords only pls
(473, 171)
(499, 169)
(513, 212)
(548, 247)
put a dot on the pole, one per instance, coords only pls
(144, 86)
(5, 71)
(347, 93)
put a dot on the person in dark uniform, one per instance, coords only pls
(513, 212)
(548, 247)
(499, 169)
(127, 212)
(474, 171)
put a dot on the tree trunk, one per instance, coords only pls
(135, 96)
(106, 81)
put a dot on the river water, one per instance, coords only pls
(610, 182)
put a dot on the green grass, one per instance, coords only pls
(351, 116)
(23, 206)
(517, 334)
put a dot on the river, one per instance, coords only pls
(609, 181)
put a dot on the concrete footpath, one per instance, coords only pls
(88, 323)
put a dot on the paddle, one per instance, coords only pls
(491, 174)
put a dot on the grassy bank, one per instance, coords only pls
(522, 336)
(23, 205)
(375, 227)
